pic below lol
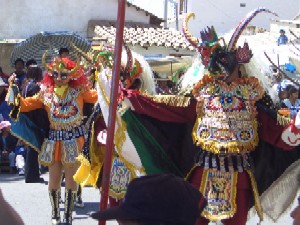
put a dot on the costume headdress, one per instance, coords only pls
(219, 58)
(64, 65)
(132, 71)
(103, 57)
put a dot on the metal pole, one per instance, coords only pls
(166, 15)
(176, 16)
(113, 106)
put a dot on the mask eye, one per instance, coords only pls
(55, 74)
(64, 76)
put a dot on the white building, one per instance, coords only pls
(90, 19)
(225, 15)
(21, 19)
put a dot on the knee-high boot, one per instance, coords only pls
(70, 197)
(78, 201)
(54, 199)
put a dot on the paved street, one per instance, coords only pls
(32, 203)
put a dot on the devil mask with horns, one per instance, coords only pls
(221, 59)
(63, 67)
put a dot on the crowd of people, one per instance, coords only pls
(210, 140)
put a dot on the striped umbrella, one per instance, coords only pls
(35, 46)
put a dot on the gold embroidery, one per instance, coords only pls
(219, 188)
(257, 203)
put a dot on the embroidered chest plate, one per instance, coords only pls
(64, 112)
(226, 118)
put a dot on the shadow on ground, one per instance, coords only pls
(7, 178)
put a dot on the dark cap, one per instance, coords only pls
(282, 31)
(30, 62)
(161, 198)
(62, 50)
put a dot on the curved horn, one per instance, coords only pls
(129, 63)
(77, 65)
(191, 39)
(243, 24)
(82, 53)
(45, 64)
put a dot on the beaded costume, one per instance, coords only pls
(65, 116)
(227, 127)
(64, 107)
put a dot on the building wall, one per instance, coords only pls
(5, 52)
(225, 15)
(22, 19)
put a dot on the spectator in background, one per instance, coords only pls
(19, 71)
(292, 102)
(4, 108)
(6, 150)
(31, 87)
(283, 94)
(162, 86)
(12, 161)
(157, 200)
(3, 75)
(282, 39)
(3, 90)
(30, 62)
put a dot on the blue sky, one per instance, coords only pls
(154, 6)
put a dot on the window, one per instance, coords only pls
(242, 4)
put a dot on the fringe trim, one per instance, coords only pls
(67, 126)
(257, 203)
(103, 91)
(119, 140)
(283, 120)
(26, 142)
(288, 184)
(171, 100)
(120, 134)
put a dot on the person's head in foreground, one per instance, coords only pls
(157, 200)
(295, 214)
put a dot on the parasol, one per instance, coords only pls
(35, 46)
